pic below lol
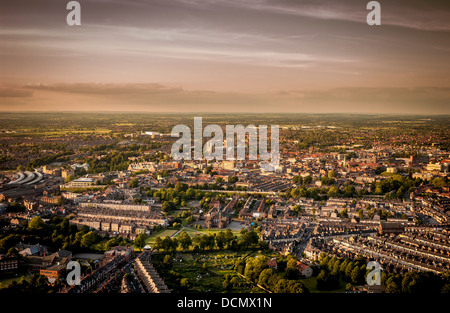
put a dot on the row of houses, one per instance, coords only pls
(406, 251)
(110, 226)
(148, 275)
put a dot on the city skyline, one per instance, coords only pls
(226, 56)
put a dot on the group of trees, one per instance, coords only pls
(173, 197)
(256, 270)
(221, 240)
(110, 161)
(416, 282)
(333, 269)
(439, 182)
(396, 186)
(15, 207)
(323, 193)
(354, 272)
(50, 158)
(318, 139)
(302, 180)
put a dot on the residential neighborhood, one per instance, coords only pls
(353, 200)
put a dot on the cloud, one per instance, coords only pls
(238, 45)
(420, 15)
(15, 93)
(107, 89)
(162, 98)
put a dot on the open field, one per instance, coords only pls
(8, 278)
(77, 132)
(204, 231)
(162, 233)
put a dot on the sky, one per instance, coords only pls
(313, 56)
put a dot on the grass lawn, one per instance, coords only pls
(8, 278)
(311, 284)
(100, 246)
(162, 233)
(192, 231)
(76, 132)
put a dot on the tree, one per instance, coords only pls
(190, 193)
(349, 191)
(233, 179)
(421, 282)
(36, 224)
(248, 238)
(361, 214)
(324, 259)
(184, 283)
(174, 244)
(189, 219)
(167, 259)
(292, 273)
(282, 286)
(239, 266)
(166, 206)
(210, 242)
(295, 286)
(348, 271)
(13, 251)
(89, 239)
(167, 244)
(138, 201)
(220, 240)
(357, 275)
(446, 289)
(298, 209)
(438, 182)
(297, 180)
(229, 239)
(184, 240)
(288, 286)
(327, 180)
(307, 180)
(139, 242)
(333, 192)
(111, 243)
(265, 278)
(202, 241)
(158, 243)
(326, 281)
(180, 187)
(69, 178)
(336, 268)
(392, 287)
(134, 183)
(254, 266)
(400, 192)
